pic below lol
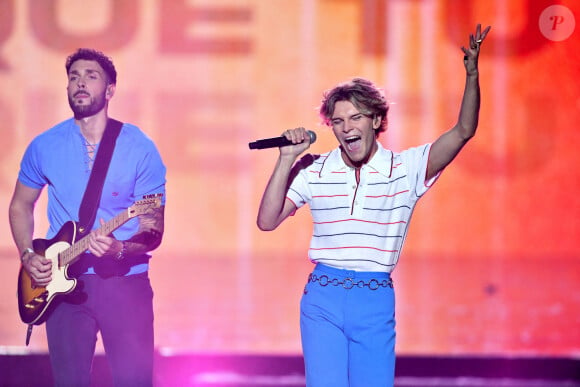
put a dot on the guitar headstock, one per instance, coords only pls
(144, 206)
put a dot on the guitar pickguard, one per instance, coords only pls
(60, 284)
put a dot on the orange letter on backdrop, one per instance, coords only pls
(177, 16)
(119, 31)
(373, 36)
(6, 24)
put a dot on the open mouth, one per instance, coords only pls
(353, 143)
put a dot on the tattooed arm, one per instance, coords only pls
(147, 238)
(149, 235)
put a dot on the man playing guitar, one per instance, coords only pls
(113, 293)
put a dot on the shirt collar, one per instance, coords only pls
(381, 162)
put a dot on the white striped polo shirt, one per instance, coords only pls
(361, 227)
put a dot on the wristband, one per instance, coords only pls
(25, 252)
(121, 254)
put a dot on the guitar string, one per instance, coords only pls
(80, 246)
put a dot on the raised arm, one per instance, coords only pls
(274, 207)
(448, 145)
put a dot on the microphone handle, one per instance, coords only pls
(266, 143)
(277, 142)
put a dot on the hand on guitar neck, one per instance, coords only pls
(101, 244)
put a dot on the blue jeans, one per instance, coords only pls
(347, 323)
(121, 308)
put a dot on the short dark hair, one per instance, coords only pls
(90, 54)
(363, 94)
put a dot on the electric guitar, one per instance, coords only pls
(63, 250)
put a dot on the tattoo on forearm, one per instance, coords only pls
(150, 230)
(147, 238)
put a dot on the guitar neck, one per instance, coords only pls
(69, 255)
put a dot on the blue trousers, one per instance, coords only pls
(121, 308)
(348, 328)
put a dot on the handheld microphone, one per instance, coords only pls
(277, 142)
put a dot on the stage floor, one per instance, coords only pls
(213, 370)
(224, 321)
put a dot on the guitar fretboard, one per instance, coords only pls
(67, 256)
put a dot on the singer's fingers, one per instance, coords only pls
(306, 135)
(303, 134)
(296, 135)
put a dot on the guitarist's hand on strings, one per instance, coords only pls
(38, 267)
(101, 244)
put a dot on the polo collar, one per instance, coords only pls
(381, 162)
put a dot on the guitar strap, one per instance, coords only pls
(93, 192)
(94, 189)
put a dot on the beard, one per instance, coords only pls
(95, 105)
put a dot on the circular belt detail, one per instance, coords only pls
(349, 283)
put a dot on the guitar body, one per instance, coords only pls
(63, 250)
(34, 301)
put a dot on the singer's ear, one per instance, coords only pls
(377, 122)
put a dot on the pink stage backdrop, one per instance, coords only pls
(492, 262)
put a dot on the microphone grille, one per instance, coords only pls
(312, 136)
